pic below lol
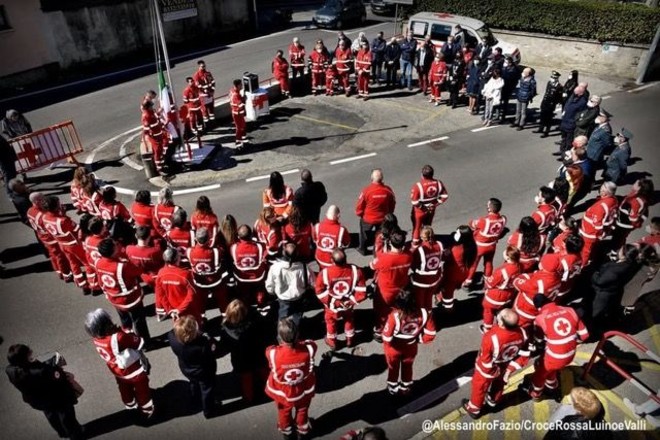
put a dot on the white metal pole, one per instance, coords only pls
(256, 16)
(161, 32)
(396, 17)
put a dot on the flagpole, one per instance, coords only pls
(161, 32)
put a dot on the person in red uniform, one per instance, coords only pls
(499, 354)
(268, 231)
(164, 212)
(298, 230)
(204, 217)
(206, 85)
(175, 290)
(653, 235)
(437, 76)
(111, 208)
(633, 211)
(567, 226)
(425, 196)
(487, 232)
(340, 287)
(342, 60)
(193, 102)
(535, 287)
(407, 325)
(180, 237)
(57, 258)
(142, 211)
(250, 268)
(90, 197)
(122, 352)
(459, 259)
(97, 233)
(80, 176)
(426, 269)
(66, 232)
(331, 75)
(545, 214)
(570, 261)
(297, 59)
(374, 202)
(280, 68)
(210, 271)
(530, 242)
(120, 282)
(237, 103)
(278, 195)
(363, 70)
(329, 234)
(318, 61)
(152, 129)
(146, 255)
(499, 287)
(291, 381)
(598, 220)
(561, 329)
(392, 268)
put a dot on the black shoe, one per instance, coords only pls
(464, 404)
(513, 124)
(519, 128)
(87, 291)
(544, 135)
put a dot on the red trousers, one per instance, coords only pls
(58, 259)
(482, 386)
(363, 84)
(546, 369)
(587, 249)
(241, 131)
(251, 381)
(342, 77)
(503, 297)
(424, 296)
(158, 146)
(381, 311)
(451, 280)
(135, 392)
(252, 293)
(487, 253)
(528, 266)
(196, 118)
(77, 259)
(419, 219)
(332, 319)
(436, 91)
(219, 294)
(284, 83)
(318, 80)
(400, 358)
(285, 415)
(208, 110)
(423, 80)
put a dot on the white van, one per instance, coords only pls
(441, 25)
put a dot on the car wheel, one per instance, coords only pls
(339, 25)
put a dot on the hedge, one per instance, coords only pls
(589, 19)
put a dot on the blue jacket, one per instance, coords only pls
(617, 164)
(600, 143)
(574, 105)
(473, 86)
(408, 49)
(526, 89)
(378, 49)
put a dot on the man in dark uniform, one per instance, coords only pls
(45, 387)
(310, 197)
(552, 97)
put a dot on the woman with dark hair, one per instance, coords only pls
(566, 227)
(562, 189)
(499, 290)
(122, 352)
(278, 195)
(90, 196)
(473, 85)
(228, 230)
(390, 225)
(204, 217)
(267, 230)
(299, 231)
(110, 208)
(196, 352)
(407, 325)
(245, 336)
(142, 210)
(530, 242)
(180, 236)
(458, 260)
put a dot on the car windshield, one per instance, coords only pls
(486, 35)
(333, 4)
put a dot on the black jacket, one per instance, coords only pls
(247, 343)
(197, 358)
(309, 198)
(585, 121)
(552, 95)
(43, 385)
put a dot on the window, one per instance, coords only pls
(418, 29)
(440, 32)
(470, 39)
(4, 23)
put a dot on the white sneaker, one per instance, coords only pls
(632, 407)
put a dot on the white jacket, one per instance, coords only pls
(493, 89)
(288, 283)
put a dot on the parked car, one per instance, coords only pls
(338, 13)
(440, 26)
(380, 7)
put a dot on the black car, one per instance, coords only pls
(380, 7)
(338, 13)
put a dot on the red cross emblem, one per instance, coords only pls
(30, 153)
(562, 327)
(293, 376)
(327, 243)
(410, 328)
(340, 288)
(247, 262)
(495, 228)
(259, 101)
(202, 267)
(52, 230)
(108, 281)
(433, 263)
(443, 15)
(431, 191)
(509, 353)
(166, 223)
(94, 254)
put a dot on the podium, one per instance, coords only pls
(256, 104)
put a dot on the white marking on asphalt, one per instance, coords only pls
(123, 154)
(640, 88)
(476, 130)
(128, 192)
(364, 29)
(350, 159)
(605, 97)
(428, 142)
(90, 157)
(436, 394)
(181, 192)
(267, 176)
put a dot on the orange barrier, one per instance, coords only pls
(45, 146)
(599, 353)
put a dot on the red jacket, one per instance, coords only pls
(162, 219)
(303, 240)
(297, 55)
(340, 288)
(318, 61)
(291, 375)
(599, 218)
(181, 238)
(91, 246)
(499, 286)
(76, 196)
(151, 124)
(632, 212)
(400, 330)
(375, 201)
(329, 235)
(527, 259)
(282, 205)
(427, 194)
(391, 273)
(343, 60)
(90, 204)
(191, 97)
(109, 348)
(363, 61)
(36, 219)
(280, 67)
(500, 349)
(120, 282)
(545, 217)
(438, 72)
(427, 264)
(488, 230)
(249, 258)
(540, 282)
(561, 328)
(237, 102)
(149, 259)
(61, 228)
(269, 235)
(143, 215)
(205, 82)
(207, 266)
(208, 221)
(111, 211)
(175, 292)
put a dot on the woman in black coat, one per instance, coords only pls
(196, 352)
(245, 335)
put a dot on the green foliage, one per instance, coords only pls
(589, 19)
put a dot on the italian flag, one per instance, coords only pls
(172, 125)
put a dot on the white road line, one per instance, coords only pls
(90, 157)
(181, 192)
(267, 176)
(428, 142)
(123, 154)
(350, 159)
(645, 86)
(128, 192)
(364, 29)
(605, 97)
(476, 130)
(436, 394)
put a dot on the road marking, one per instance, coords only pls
(605, 97)
(417, 144)
(181, 192)
(350, 159)
(321, 121)
(267, 176)
(482, 434)
(512, 412)
(435, 115)
(436, 394)
(90, 157)
(476, 130)
(123, 154)
(541, 412)
(640, 88)
(608, 395)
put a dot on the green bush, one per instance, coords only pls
(602, 21)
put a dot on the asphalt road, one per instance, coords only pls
(48, 315)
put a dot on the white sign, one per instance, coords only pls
(401, 2)
(177, 9)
